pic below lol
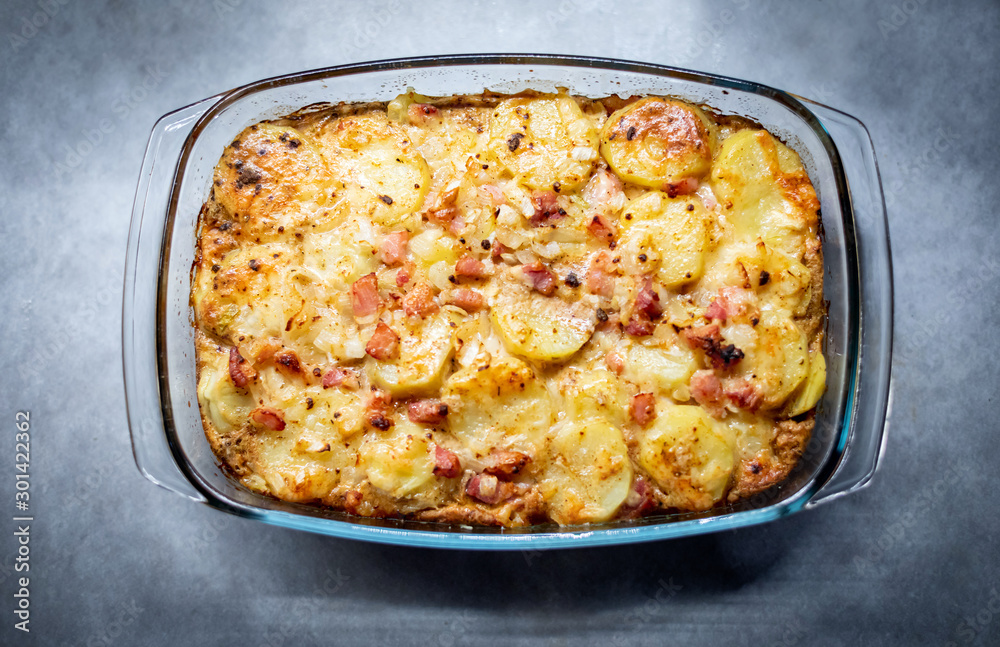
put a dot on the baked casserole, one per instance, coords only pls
(509, 309)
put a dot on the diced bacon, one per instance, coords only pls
(384, 343)
(643, 408)
(420, 112)
(364, 296)
(505, 464)
(744, 395)
(404, 274)
(419, 301)
(604, 192)
(392, 251)
(640, 325)
(469, 267)
(706, 389)
(731, 302)
(638, 501)
(457, 225)
(270, 418)
(602, 228)
(466, 299)
(493, 194)
(446, 463)
(497, 250)
(377, 409)
(431, 412)
(716, 310)
(708, 339)
(540, 278)
(340, 376)
(615, 362)
(240, 370)
(488, 489)
(647, 301)
(682, 187)
(287, 362)
(546, 208)
(600, 278)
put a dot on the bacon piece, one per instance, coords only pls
(731, 302)
(647, 301)
(446, 463)
(384, 343)
(640, 325)
(420, 112)
(744, 395)
(493, 194)
(638, 501)
(466, 299)
(682, 187)
(240, 370)
(604, 192)
(615, 362)
(708, 339)
(270, 418)
(404, 274)
(643, 408)
(339, 376)
(430, 412)
(541, 278)
(470, 268)
(716, 310)
(377, 409)
(505, 464)
(546, 208)
(287, 362)
(602, 228)
(364, 296)
(497, 250)
(706, 389)
(420, 301)
(600, 275)
(488, 489)
(392, 251)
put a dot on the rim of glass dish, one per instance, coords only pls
(425, 534)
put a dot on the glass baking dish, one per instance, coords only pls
(158, 337)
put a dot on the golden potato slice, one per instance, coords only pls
(382, 174)
(780, 360)
(500, 404)
(660, 367)
(588, 472)
(809, 393)
(538, 327)
(658, 143)
(665, 235)
(226, 406)
(780, 280)
(546, 142)
(689, 456)
(425, 348)
(271, 177)
(398, 462)
(764, 191)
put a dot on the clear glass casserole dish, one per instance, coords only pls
(168, 439)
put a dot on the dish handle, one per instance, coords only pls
(139, 357)
(867, 417)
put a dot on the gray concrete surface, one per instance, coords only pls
(118, 561)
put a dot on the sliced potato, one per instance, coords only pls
(271, 176)
(660, 367)
(764, 190)
(539, 327)
(812, 389)
(399, 462)
(595, 393)
(341, 256)
(546, 142)
(658, 142)
(227, 406)
(689, 456)
(665, 235)
(781, 281)
(383, 175)
(780, 359)
(588, 474)
(500, 404)
(425, 349)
